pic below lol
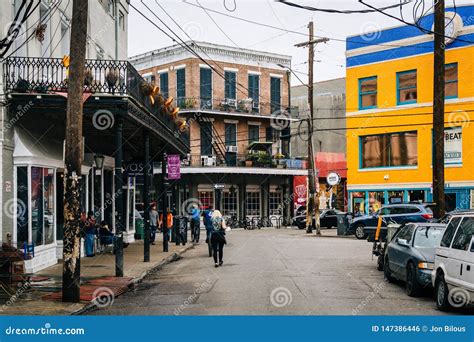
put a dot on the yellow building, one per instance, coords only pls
(389, 88)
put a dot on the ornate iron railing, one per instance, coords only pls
(50, 75)
(243, 106)
(243, 160)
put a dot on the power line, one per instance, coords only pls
(215, 23)
(414, 25)
(330, 10)
(190, 49)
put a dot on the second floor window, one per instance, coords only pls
(164, 84)
(180, 86)
(254, 133)
(205, 82)
(451, 81)
(368, 92)
(275, 94)
(206, 138)
(230, 85)
(406, 87)
(254, 91)
(389, 150)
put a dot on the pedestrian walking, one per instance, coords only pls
(195, 224)
(218, 239)
(91, 231)
(169, 223)
(153, 224)
(207, 219)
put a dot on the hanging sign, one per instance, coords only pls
(333, 178)
(174, 166)
(453, 145)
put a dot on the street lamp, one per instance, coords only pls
(99, 161)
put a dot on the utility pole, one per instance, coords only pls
(73, 155)
(312, 209)
(438, 110)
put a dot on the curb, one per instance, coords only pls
(169, 259)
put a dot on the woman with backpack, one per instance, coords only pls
(218, 237)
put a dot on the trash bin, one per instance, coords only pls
(180, 228)
(139, 229)
(342, 223)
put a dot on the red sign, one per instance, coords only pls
(300, 190)
(174, 166)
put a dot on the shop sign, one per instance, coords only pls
(453, 145)
(300, 189)
(219, 186)
(333, 178)
(174, 166)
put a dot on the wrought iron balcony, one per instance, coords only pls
(50, 75)
(244, 160)
(237, 106)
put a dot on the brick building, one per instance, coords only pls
(237, 104)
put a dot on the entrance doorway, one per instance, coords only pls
(450, 201)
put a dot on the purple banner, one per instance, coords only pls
(174, 166)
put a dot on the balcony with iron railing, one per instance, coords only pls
(38, 75)
(236, 106)
(261, 160)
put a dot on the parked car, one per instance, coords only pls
(453, 274)
(409, 256)
(327, 218)
(396, 213)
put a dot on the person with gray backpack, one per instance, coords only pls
(218, 237)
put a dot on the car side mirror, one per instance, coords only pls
(403, 242)
(472, 244)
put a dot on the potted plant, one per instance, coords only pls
(250, 159)
(264, 159)
(88, 78)
(280, 160)
(111, 78)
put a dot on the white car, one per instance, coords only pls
(453, 271)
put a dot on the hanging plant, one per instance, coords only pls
(173, 112)
(111, 77)
(88, 78)
(159, 100)
(182, 125)
(39, 32)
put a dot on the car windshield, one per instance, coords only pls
(428, 237)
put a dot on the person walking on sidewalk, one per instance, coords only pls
(153, 224)
(218, 237)
(207, 219)
(195, 224)
(91, 231)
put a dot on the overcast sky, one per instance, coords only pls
(144, 37)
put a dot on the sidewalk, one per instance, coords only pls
(97, 280)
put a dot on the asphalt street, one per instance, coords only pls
(273, 272)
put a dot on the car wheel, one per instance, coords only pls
(380, 263)
(359, 232)
(412, 286)
(387, 274)
(442, 293)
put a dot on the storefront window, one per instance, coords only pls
(230, 203)
(21, 205)
(276, 202)
(416, 196)
(376, 200)
(206, 198)
(395, 197)
(358, 203)
(42, 205)
(252, 203)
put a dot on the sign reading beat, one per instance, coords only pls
(453, 145)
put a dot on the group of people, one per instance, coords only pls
(156, 222)
(91, 230)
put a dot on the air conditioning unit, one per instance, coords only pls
(231, 149)
(208, 160)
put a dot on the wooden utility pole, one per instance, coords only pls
(438, 109)
(73, 155)
(312, 209)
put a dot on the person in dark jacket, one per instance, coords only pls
(218, 237)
